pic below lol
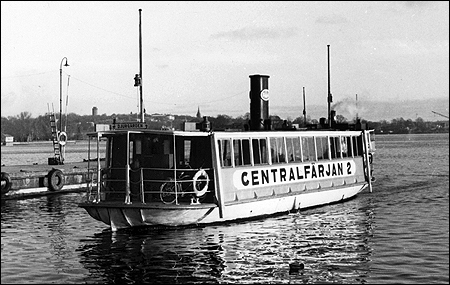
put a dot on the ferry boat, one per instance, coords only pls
(201, 175)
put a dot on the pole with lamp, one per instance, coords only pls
(330, 97)
(141, 101)
(61, 142)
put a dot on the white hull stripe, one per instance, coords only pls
(45, 190)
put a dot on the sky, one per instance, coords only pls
(201, 54)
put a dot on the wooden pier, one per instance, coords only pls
(23, 181)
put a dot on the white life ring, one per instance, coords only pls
(199, 182)
(62, 138)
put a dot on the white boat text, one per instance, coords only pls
(247, 178)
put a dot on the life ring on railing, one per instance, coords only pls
(6, 183)
(201, 180)
(55, 180)
(370, 158)
(62, 138)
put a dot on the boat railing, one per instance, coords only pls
(150, 184)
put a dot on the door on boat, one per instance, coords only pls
(193, 168)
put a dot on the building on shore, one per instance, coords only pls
(7, 140)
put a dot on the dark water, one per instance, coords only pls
(397, 234)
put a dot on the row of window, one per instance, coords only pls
(255, 151)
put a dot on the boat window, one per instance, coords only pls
(108, 154)
(237, 152)
(118, 151)
(357, 146)
(157, 150)
(278, 150)
(136, 151)
(349, 146)
(335, 144)
(225, 152)
(322, 148)
(308, 148)
(293, 149)
(259, 151)
(246, 151)
(241, 149)
(183, 151)
(354, 146)
(138, 144)
(131, 152)
(193, 152)
(344, 146)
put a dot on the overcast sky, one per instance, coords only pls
(200, 54)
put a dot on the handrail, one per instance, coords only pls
(366, 159)
(128, 181)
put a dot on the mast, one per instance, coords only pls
(140, 69)
(304, 107)
(330, 98)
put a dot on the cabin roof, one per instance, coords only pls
(227, 134)
(150, 131)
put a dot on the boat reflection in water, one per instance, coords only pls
(143, 256)
(333, 243)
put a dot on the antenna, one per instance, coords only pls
(356, 107)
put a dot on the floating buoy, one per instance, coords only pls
(55, 180)
(295, 267)
(6, 183)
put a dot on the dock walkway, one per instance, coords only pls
(22, 181)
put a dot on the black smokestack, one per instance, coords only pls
(259, 102)
(333, 116)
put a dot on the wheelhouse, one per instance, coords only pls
(138, 163)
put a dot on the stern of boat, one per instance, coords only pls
(150, 178)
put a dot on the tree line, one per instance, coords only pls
(25, 128)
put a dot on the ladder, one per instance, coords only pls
(56, 148)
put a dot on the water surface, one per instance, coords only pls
(397, 234)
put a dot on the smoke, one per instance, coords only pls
(349, 108)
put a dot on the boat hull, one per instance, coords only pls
(120, 215)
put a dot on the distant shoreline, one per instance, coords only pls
(45, 142)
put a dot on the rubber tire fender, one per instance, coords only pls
(55, 180)
(8, 183)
